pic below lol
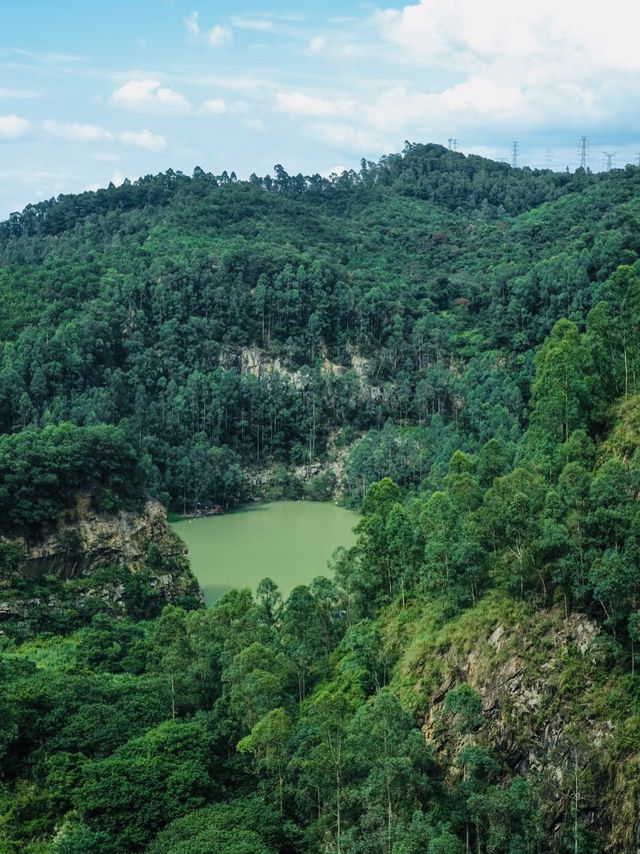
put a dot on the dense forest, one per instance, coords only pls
(223, 325)
(463, 337)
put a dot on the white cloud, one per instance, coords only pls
(357, 139)
(13, 127)
(220, 106)
(478, 101)
(192, 25)
(335, 170)
(254, 124)
(317, 44)
(299, 104)
(45, 57)
(525, 37)
(253, 85)
(144, 139)
(484, 96)
(520, 66)
(259, 24)
(215, 37)
(117, 178)
(75, 132)
(488, 151)
(105, 157)
(219, 35)
(150, 96)
(214, 107)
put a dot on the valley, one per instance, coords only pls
(445, 345)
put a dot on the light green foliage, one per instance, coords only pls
(257, 678)
(362, 654)
(321, 760)
(615, 585)
(613, 330)
(510, 521)
(386, 552)
(506, 818)
(392, 764)
(562, 397)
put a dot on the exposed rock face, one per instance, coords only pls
(86, 541)
(253, 360)
(92, 557)
(546, 716)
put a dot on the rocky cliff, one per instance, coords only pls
(91, 561)
(552, 706)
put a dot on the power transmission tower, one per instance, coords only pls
(609, 157)
(452, 144)
(548, 159)
(584, 143)
(515, 148)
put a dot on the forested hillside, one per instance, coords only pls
(223, 325)
(464, 336)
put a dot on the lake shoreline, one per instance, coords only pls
(247, 506)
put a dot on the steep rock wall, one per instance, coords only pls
(88, 560)
(552, 709)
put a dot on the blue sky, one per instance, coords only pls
(92, 92)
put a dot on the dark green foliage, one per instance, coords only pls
(162, 775)
(41, 472)
(465, 335)
(223, 324)
(463, 707)
(238, 827)
(80, 839)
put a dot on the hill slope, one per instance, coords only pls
(419, 287)
(465, 335)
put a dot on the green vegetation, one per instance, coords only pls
(42, 471)
(405, 301)
(465, 335)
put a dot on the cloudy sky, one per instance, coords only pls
(92, 91)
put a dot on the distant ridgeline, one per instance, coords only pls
(449, 342)
(224, 325)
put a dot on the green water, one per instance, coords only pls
(288, 541)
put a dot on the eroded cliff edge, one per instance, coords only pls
(89, 561)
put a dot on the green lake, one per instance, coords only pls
(288, 541)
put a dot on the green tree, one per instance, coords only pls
(392, 765)
(270, 743)
(509, 518)
(171, 654)
(562, 394)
